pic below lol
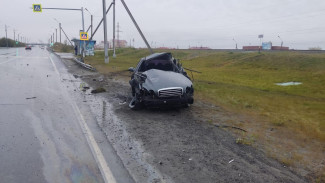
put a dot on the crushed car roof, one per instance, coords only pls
(156, 55)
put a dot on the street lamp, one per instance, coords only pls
(281, 41)
(235, 42)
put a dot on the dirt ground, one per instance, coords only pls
(175, 144)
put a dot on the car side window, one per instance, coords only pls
(142, 67)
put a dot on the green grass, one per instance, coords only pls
(58, 47)
(245, 83)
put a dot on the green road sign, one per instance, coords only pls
(16, 42)
(37, 8)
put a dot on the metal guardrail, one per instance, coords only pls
(87, 66)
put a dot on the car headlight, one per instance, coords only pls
(189, 90)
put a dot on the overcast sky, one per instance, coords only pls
(178, 23)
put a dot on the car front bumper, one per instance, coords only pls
(160, 102)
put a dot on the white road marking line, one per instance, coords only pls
(14, 57)
(20, 57)
(7, 61)
(97, 153)
(56, 70)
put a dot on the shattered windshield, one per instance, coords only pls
(164, 65)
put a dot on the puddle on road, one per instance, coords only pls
(291, 83)
(79, 172)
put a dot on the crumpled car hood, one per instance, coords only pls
(158, 79)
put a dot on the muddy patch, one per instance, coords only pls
(176, 144)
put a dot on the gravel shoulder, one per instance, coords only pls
(177, 144)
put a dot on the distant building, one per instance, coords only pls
(101, 45)
(251, 48)
(265, 46)
(119, 43)
(280, 48)
(199, 48)
(164, 48)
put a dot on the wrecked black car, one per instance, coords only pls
(160, 80)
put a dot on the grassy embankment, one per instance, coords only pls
(287, 122)
(10, 43)
(63, 48)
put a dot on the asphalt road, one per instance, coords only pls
(45, 135)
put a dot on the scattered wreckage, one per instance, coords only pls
(160, 80)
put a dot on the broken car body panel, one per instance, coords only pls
(160, 80)
(157, 79)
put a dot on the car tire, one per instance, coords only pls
(186, 106)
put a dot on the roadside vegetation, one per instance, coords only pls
(11, 43)
(286, 122)
(64, 48)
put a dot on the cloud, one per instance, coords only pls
(180, 23)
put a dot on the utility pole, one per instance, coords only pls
(59, 28)
(91, 22)
(118, 35)
(14, 35)
(114, 55)
(83, 30)
(91, 29)
(105, 32)
(56, 35)
(136, 25)
(53, 37)
(60, 31)
(6, 35)
(101, 21)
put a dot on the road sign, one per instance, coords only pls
(37, 7)
(16, 42)
(84, 36)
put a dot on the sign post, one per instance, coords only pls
(260, 37)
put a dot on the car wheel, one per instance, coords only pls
(185, 105)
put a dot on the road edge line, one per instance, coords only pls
(97, 153)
